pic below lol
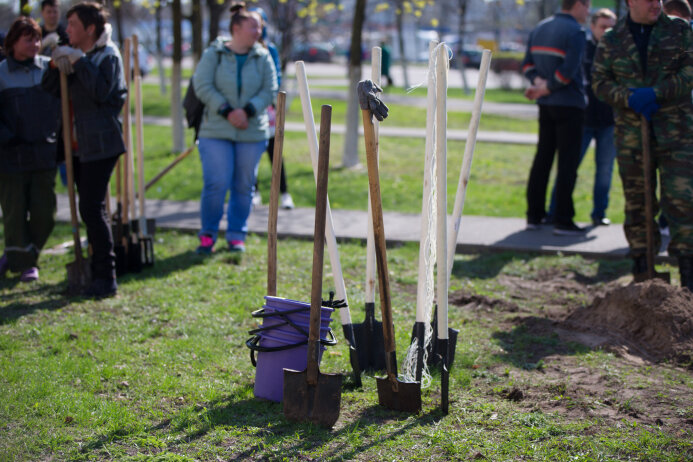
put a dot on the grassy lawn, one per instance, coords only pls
(161, 371)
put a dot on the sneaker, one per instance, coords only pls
(568, 229)
(236, 246)
(533, 224)
(4, 264)
(601, 222)
(257, 199)
(101, 288)
(286, 201)
(29, 275)
(206, 246)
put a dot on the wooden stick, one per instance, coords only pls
(442, 190)
(274, 195)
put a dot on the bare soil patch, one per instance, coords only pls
(648, 326)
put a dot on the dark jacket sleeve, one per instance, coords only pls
(98, 82)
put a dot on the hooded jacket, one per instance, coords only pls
(97, 92)
(28, 118)
(216, 84)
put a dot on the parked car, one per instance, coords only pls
(313, 52)
(470, 56)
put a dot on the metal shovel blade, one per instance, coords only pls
(78, 276)
(397, 395)
(370, 343)
(318, 403)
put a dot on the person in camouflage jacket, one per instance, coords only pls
(644, 67)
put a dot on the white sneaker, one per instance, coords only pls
(286, 201)
(257, 199)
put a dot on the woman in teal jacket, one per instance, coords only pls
(236, 81)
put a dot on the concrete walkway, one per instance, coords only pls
(477, 233)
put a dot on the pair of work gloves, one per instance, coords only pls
(64, 58)
(643, 101)
(369, 101)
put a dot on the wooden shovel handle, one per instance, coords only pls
(378, 232)
(319, 244)
(649, 212)
(274, 195)
(170, 166)
(69, 165)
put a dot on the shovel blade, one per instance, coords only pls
(147, 250)
(370, 343)
(399, 396)
(318, 403)
(78, 276)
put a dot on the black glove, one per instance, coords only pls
(368, 99)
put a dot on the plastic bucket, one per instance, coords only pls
(269, 373)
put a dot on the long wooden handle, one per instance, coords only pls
(376, 63)
(67, 145)
(649, 209)
(274, 195)
(139, 128)
(319, 244)
(378, 232)
(168, 168)
(442, 190)
(126, 133)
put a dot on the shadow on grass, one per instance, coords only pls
(25, 302)
(163, 267)
(489, 265)
(532, 340)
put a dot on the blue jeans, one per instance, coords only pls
(228, 166)
(604, 155)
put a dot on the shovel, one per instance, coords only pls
(369, 334)
(117, 225)
(311, 396)
(651, 273)
(144, 237)
(274, 196)
(78, 271)
(340, 287)
(392, 392)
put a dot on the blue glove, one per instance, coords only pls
(641, 98)
(649, 110)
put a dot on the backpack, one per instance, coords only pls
(193, 107)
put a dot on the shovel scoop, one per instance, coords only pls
(311, 396)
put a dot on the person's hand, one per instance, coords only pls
(649, 110)
(641, 98)
(238, 118)
(368, 99)
(50, 41)
(534, 92)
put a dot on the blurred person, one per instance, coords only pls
(285, 199)
(643, 67)
(385, 63)
(236, 80)
(678, 9)
(97, 92)
(552, 64)
(53, 31)
(598, 125)
(28, 149)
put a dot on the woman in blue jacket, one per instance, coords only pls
(28, 125)
(236, 80)
(97, 92)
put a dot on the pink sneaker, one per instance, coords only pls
(206, 246)
(236, 246)
(29, 275)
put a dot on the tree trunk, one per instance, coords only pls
(176, 106)
(215, 10)
(350, 158)
(400, 41)
(160, 52)
(119, 22)
(462, 26)
(196, 23)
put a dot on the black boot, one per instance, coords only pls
(686, 271)
(639, 265)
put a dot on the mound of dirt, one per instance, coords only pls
(652, 318)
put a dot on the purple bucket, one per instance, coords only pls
(269, 373)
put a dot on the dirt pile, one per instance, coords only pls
(652, 319)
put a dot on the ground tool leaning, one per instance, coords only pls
(310, 395)
(274, 196)
(144, 228)
(342, 303)
(392, 392)
(369, 334)
(78, 272)
(650, 272)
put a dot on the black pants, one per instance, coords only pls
(560, 128)
(91, 179)
(283, 187)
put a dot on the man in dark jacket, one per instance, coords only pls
(643, 67)
(552, 64)
(52, 30)
(97, 92)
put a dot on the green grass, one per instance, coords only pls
(161, 371)
(496, 188)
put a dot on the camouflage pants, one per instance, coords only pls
(675, 168)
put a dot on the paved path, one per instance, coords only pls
(477, 233)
